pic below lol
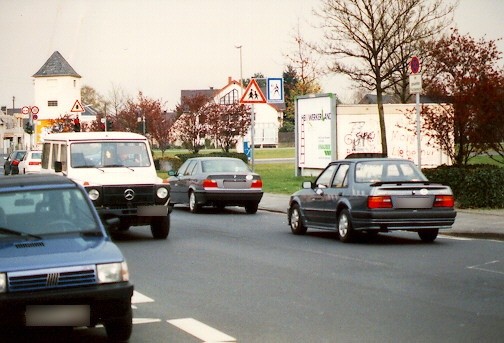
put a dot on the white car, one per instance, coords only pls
(30, 164)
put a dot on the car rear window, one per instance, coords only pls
(387, 171)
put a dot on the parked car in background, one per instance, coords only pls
(12, 162)
(30, 163)
(58, 266)
(215, 181)
(372, 195)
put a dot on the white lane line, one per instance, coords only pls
(146, 320)
(201, 330)
(481, 267)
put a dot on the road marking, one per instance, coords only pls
(482, 267)
(201, 330)
(139, 298)
(146, 320)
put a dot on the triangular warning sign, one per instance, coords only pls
(253, 94)
(77, 107)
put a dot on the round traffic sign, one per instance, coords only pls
(414, 65)
(34, 117)
(34, 109)
(25, 110)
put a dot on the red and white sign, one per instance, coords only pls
(415, 65)
(34, 110)
(77, 107)
(25, 110)
(253, 94)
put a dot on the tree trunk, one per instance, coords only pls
(381, 115)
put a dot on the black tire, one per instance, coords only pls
(345, 228)
(296, 223)
(194, 207)
(252, 207)
(428, 235)
(160, 227)
(119, 330)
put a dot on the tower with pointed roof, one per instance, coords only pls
(57, 87)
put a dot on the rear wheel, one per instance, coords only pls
(296, 223)
(251, 208)
(428, 235)
(194, 207)
(345, 229)
(160, 227)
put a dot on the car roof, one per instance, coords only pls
(26, 181)
(209, 158)
(371, 159)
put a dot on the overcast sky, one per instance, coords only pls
(160, 47)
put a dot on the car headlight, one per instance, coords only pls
(112, 272)
(162, 192)
(93, 194)
(3, 283)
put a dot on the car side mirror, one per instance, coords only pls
(58, 166)
(172, 173)
(307, 185)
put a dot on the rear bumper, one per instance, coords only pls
(229, 197)
(403, 220)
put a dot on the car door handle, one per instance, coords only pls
(340, 193)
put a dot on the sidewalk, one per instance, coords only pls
(470, 223)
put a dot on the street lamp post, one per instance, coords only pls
(241, 69)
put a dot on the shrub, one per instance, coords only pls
(474, 186)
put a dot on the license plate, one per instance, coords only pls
(57, 315)
(152, 211)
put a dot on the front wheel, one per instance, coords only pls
(345, 229)
(296, 223)
(428, 235)
(119, 330)
(160, 227)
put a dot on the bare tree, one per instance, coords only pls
(371, 41)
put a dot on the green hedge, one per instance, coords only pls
(474, 186)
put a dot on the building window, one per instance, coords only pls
(229, 98)
(52, 103)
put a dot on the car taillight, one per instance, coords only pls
(444, 201)
(256, 184)
(208, 183)
(15, 163)
(33, 163)
(379, 201)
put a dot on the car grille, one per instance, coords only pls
(52, 278)
(115, 195)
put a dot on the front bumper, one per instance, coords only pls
(106, 302)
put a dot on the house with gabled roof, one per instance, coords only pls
(57, 91)
(267, 117)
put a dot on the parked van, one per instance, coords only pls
(117, 170)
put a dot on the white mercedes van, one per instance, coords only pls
(117, 170)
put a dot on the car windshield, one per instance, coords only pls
(109, 154)
(387, 171)
(45, 211)
(224, 166)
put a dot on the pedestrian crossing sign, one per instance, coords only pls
(77, 107)
(253, 94)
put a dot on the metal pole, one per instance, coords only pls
(252, 129)
(419, 145)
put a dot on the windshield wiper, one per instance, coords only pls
(18, 233)
(92, 233)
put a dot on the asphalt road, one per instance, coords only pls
(232, 277)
